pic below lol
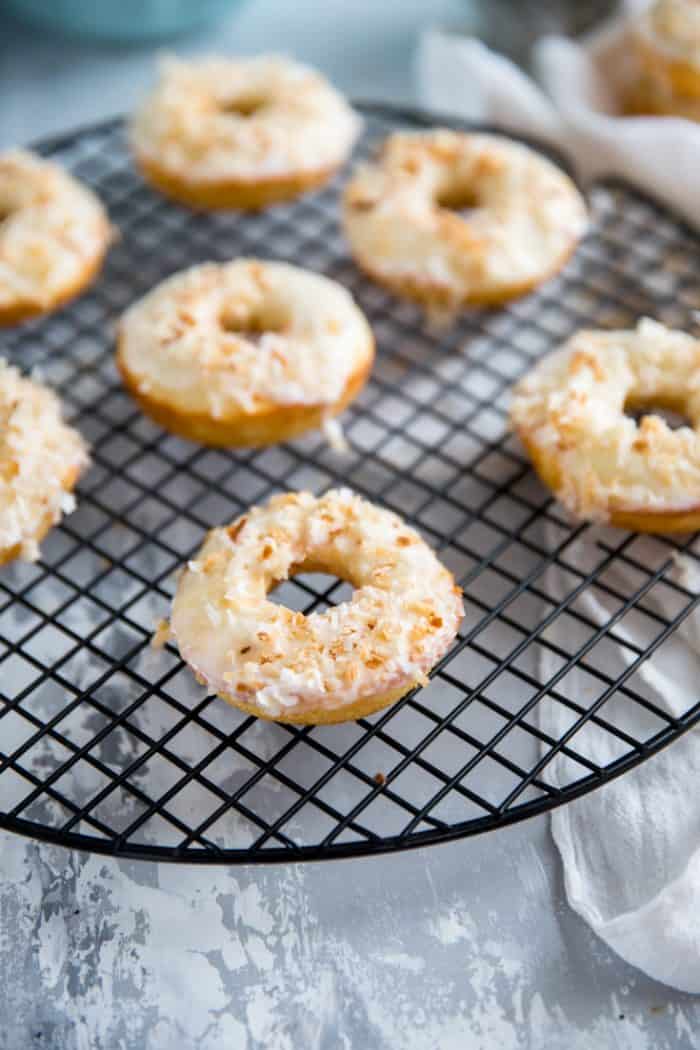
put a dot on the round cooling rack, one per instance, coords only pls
(109, 745)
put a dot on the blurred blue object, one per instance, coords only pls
(121, 20)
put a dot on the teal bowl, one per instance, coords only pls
(120, 20)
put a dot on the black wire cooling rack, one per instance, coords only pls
(109, 745)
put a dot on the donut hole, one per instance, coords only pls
(459, 197)
(313, 584)
(671, 410)
(243, 105)
(252, 325)
(310, 590)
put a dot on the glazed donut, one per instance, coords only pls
(241, 133)
(245, 352)
(526, 219)
(604, 466)
(666, 41)
(332, 666)
(53, 236)
(41, 458)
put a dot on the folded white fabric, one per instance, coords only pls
(574, 108)
(631, 850)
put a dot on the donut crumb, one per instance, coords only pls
(161, 635)
(333, 433)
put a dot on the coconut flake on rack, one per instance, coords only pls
(333, 432)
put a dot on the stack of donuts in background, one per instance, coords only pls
(666, 60)
(252, 352)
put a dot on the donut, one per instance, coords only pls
(41, 458)
(332, 666)
(401, 218)
(241, 132)
(244, 352)
(53, 236)
(666, 46)
(602, 464)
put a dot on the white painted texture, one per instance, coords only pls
(461, 946)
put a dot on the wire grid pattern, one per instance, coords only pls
(110, 745)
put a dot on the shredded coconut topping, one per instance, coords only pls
(570, 412)
(220, 339)
(400, 620)
(51, 229)
(524, 213)
(40, 457)
(243, 118)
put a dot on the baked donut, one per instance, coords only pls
(332, 666)
(41, 458)
(604, 466)
(245, 352)
(666, 41)
(53, 236)
(241, 132)
(400, 217)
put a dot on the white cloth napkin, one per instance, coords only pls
(631, 850)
